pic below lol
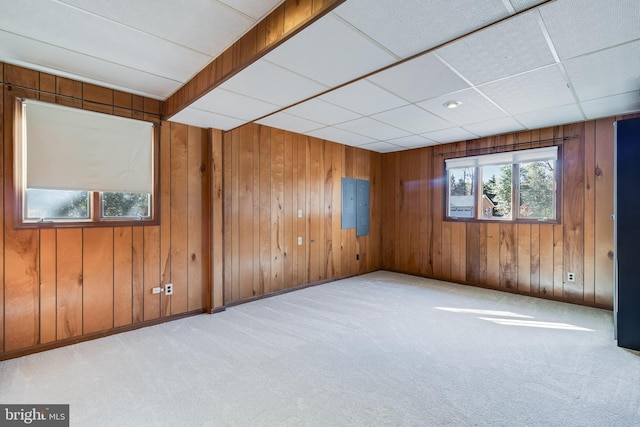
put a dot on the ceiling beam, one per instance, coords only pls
(284, 22)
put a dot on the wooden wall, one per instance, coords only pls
(59, 285)
(531, 259)
(270, 174)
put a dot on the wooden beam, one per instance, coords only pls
(284, 22)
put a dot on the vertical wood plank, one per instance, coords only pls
(122, 276)
(603, 233)
(227, 142)
(426, 220)
(97, 296)
(165, 215)
(493, 255)
(2, 208)
(328, 268)
(179, 217)
(547, 259)
(314, 175)
(589, 212)
(137, 275)
(558, 265)
(573, 210)
(390, 211)
(277, 214)
(336, 225)
(245, 213)
(151, 272)
(472, 256)
(69, 278)
(48, 259)
(524, 258)
(508, 256)
(217, 258)
(534, 265)
(265, 210)
(302, 223)
(197, 221)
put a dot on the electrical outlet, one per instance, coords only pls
(571, 277)
(299, 213)
(299, 241)
(156, 290)
(168, 289)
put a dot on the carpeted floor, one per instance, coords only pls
(382, 349)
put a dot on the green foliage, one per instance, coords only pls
(500, 188)
(125, 204)
(536, 190)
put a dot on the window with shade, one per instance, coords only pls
(75, 166)
(511, 186)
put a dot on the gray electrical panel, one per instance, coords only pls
(348, 203)
(362, 207)
(355, 205)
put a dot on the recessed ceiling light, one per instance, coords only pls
(452, 104)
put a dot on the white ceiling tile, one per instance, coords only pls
(364, 98)
(473, 108)
(322, 111)
(413, 141)
(255, 9)
(341, 136)
(551, 116)
(519, 5)
(419, 79)
(205, 119)
(373, 129)
(577, 27)
(232, 104)
(606, 72)
(532, 91)
(100, 38)
(413, 26)
(412, 119)
(271, 83)
(291, 123)
(171, 21)
(494, 127)
(510, 47)
(330, 52)
(382, 147)
(612, 105)
(40, 56)
(450, 135)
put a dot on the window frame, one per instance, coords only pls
(515, 193)
(95, 203)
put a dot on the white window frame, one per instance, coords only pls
(123, 159)
(513, 158)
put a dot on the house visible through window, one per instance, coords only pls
(517, 185)
(77, 166)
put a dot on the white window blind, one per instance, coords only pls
(73, 149)
(510, 157)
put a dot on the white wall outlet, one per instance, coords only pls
(156, 290)
(299, 213)
(571, 277)
(168, 289)
(299, 241)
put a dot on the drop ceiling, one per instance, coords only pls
(371, 73)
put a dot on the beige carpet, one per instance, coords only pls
(382, 349)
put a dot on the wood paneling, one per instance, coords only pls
(285, 172)
(64, 283)
(531, 259)
(281, 24)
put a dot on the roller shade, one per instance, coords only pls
(73, 149)
(510, 157)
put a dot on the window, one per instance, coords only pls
(74, 166)
(515, 186)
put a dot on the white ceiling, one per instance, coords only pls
(561, 62)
